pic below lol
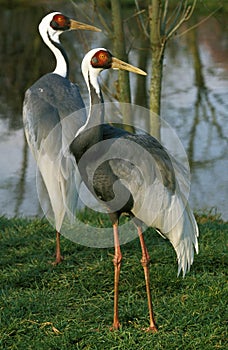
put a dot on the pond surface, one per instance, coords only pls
(194, 98)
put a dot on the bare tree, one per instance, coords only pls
(163, 25)
(123, 87)
(120, 51)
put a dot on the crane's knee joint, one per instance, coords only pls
(145, 262)
(117, 260)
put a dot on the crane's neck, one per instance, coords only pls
(62, 63)
(92, 131)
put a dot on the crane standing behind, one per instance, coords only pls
(47, 102)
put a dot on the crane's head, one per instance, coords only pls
(100, 59)
(56, 23)
(97, 60)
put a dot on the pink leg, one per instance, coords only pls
(117, 263)
(58, 257)
(145, 264)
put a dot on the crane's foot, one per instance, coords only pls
(151, 329)
(58, 260)
(115, 326)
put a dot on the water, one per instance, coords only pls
(194, 100)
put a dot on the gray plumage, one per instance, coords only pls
(46, 105)
(48, 130)
(138, 178)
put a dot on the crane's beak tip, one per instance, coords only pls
(83, 26)
(118, 64)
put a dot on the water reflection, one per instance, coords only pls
(194, 98)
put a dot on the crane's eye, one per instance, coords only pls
(102, 59)
(60, 22)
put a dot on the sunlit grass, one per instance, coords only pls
(70, 306)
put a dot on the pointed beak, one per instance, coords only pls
(82, 26)
(118, 64)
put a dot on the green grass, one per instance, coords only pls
(70, 306)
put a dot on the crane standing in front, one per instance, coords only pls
(47, 102)
(124, 188)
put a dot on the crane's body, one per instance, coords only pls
(46, 105)
(149, 192)
(44, 113)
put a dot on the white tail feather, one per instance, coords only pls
(183, 237)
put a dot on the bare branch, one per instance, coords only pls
(101, 18)
(185, 18)
(79, 10)
(104, 23)
(192, 8)
(199, 23)
(141, 20)
(135, 15)
(163, 41)
(176, 14)
(164, 17)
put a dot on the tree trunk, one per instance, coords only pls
(157, 64)
(123, 86)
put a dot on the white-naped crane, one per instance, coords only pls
(124, 188)
(47, 102)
